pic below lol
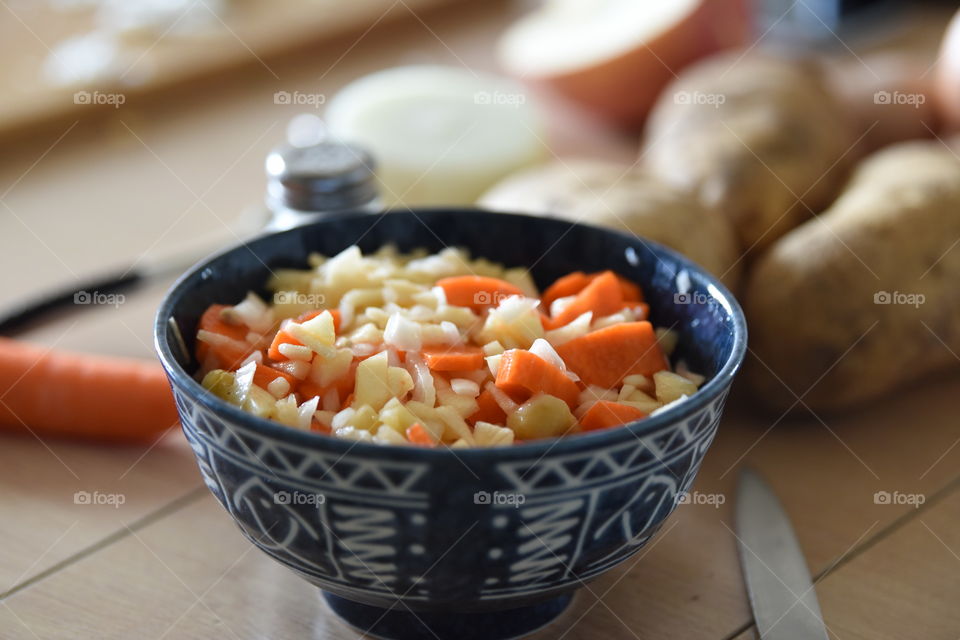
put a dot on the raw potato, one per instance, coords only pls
(624, 198)
(889, 97)
(758, 139)
(821, 321)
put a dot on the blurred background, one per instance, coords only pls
(135, 129)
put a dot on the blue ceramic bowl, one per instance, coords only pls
(470, 543)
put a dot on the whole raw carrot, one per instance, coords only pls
(56, 393)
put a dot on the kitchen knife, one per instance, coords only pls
(781, 591)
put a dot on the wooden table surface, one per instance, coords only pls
(169, 563)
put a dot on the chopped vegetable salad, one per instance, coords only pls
(440, 350)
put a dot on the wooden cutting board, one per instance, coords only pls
(246, 34)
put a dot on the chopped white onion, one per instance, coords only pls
(244, 380)
(256, 357)
(464, 387)
(306, 411)
(254, 313)
(423, 389)
(296, 351)
(506, 402)
(493, 363)
(560, 305)
(219, 340)
(342, 418)
(279, 387)
(296, 368)
(545, 350)
(402, 333)
(451, 332)
(363, 349)
(669, 405)
(571, 330)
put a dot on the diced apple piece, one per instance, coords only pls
(326, 371)
(372, 382)
(669, 386)
(317, 333)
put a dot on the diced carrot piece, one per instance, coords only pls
(227, 356)
(318, 426)
(602, 296)
(548, 323)
(631, 291)
(477, 292)
(416, 434)
(604, 414)
(606, 356)
(460, 358)
(569, 285)
(347, 401)
(522, 374)
(573, 283)
(265, 374)
(488, 410)
(282, 337)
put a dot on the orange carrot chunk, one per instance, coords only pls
(488, 410)
(606, 356)
(573, 283)
(418, 435)
(546, 322)
(54, 393)
(230, 354)
(604, 414)
(569, 285)
(602, 296)
(631, 291)
(264, 375)
(281, 338)
(522, 374)
(477, 292)
(460, 358)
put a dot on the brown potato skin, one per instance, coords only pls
(868, 86)
(766, 156)
(815, 329)
(623, 198)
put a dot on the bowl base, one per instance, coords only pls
(400, 623)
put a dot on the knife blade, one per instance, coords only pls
(782, 597)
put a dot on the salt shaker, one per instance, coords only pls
(307, 183)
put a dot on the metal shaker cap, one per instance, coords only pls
(329, 176)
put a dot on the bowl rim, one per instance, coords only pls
(718, 384)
